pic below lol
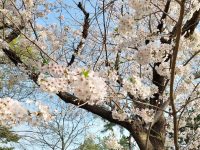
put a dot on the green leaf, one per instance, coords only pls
(108, 126)
(132, 80)
(85, 73)
(45, 61)
(29, 49)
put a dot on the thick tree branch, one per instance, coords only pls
(164, 15)
(12, 56)
(191, 24)
(100, 111)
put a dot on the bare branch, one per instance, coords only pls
(84, 33)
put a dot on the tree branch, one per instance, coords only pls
(100, 111)
(84, 34)
(172, 77)
(191, 24)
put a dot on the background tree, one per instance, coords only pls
(66, 131)
(97, 143)
(7, 137)
(90, 144)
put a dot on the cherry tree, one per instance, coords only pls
(131, 62)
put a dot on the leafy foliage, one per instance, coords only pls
(6, 136)
(24, 50)
(90, 144)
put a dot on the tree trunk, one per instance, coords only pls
(156, 137)
(158, 134)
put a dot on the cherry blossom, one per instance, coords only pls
(132, 62)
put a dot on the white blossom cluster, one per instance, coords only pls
(15, 16)
(152, 52)
(54, 70)
(3, 44)
(146, 114)
(135, 86)
(13, 113)
(119, 116)
(126, 24)
(141, 7)
(44, 112)
(55, 39)
(112, 143)
(86, 85)
(163, 69)
(143, 55)
(29, 2)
